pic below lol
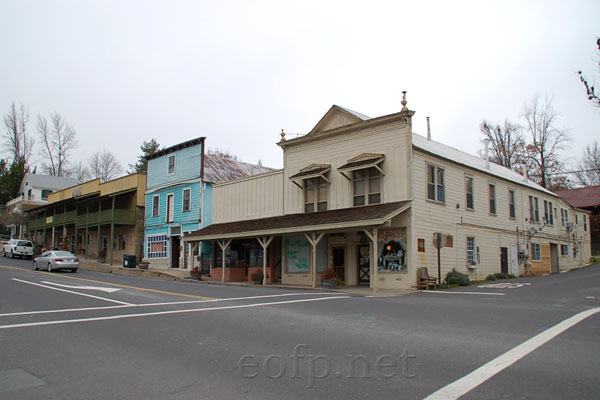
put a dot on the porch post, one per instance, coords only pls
(192, 246)
(373, 260)
(223, 245)
(313, 239)
(112, 229)
(265, 241)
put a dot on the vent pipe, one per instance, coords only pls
(428, 129)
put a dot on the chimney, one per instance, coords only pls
(487, 155)
(428, 129)
(525, 177)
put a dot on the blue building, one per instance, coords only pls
(179, 198)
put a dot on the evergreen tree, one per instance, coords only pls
(148, 148)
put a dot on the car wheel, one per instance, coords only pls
(3, 253)
(35, 268)
(74, 270)
(49, 267)
(11, 254)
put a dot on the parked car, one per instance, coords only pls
(55, 260)
(18, 247)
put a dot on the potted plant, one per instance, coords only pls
(257, 277)
(143, 264)
(102, 256)
(329, 279)
(195, 273)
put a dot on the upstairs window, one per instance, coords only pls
(469, 192)
(511, 204)
(435, 183)
(585, 223)
(45, 194)
(531, 214)
(315, 194)
(155, 204)
(187, 194)
(492, 194)
(366, 184)
(171, 165)
(551, 213)
(537, 209)
(564, 217)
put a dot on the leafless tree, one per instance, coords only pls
(546, 139)
(589, 166)
(592, 95)
(81, 172)
(104, 165)
(58, 140)
(507, 144)
(222, 153)
(20, 145)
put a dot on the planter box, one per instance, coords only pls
(329, 284)
(143, 266)
(101, 260)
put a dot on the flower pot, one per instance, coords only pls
(196, 276)
(143, 265)
(329, 284)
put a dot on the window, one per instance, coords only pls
(564, 250)
(29, 194)
(469, 190)
(155, 204)
(122, 241)
(576, 219)
(492, 194)
(315, 194)
(45, 194)
(585, 223)
(156, 246)
(536, 252)
(170, 207)
(564, 217)
(435, 183)
(511, 204)
(187, 194)
(546, 215)
(551, 220)
(171, 165)
(366, 184)
(531, 214)
(537, 209)
(298, 254)
(471, 250)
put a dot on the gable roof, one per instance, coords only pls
(582, 197)
(47, 182)
(345, 116)
(471, 161)
(218, 169)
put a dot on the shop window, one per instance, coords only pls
(297, 254)
(392, 256)
(156, 246)
(435, 183)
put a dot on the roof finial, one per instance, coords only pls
(282, 135)
(404, 102)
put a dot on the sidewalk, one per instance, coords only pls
(184, 275)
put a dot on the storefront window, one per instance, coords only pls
(297, 251)
(392, 256)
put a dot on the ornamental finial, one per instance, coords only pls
(404, 102)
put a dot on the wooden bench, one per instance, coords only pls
(424, 281)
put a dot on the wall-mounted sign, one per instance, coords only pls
(421, 245)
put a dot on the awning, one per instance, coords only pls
(311, 171)
(331, 220)
(365, 160)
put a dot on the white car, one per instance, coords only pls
(17, 247)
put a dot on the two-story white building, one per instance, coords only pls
(368, 197)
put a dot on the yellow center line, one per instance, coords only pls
(118, 284)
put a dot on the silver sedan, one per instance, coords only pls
(56, 260)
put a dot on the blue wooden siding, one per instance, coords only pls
(188, 166)
(207, 205)
(188, 219)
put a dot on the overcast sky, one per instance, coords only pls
(238, 72)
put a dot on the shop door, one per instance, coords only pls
(504, 260)
(175, 251)
(364, 265)
(514, 260)
(339, 264)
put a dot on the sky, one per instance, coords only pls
(237, 72)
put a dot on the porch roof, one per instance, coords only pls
(303, 222)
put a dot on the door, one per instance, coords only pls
(175, 251)
(339, 264)
(504, 260)
(554, 258)
(514, 260)
(170, 207)
(364, 265)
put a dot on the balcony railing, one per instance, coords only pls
(93, 218)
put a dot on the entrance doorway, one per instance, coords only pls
(339, 264)
(364, 265)
(514, 260)
(554, 258)
(175, 242)
(504, 260)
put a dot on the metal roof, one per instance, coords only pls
(219, 169)
(582, 197)
(48, 182)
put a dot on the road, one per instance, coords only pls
(101, 336)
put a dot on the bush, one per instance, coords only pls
(490, 277)
(456, 278)
(329, 275)
(257, 277)
(498, 276)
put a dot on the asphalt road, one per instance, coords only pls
(100, 336)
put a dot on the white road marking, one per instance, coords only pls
(102, 289)
(589, 297)
(72, 292)
(153, 304)
(444, 292)
(469, 382)
(505, 285)
(70, 321)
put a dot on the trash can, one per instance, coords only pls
(129, 261)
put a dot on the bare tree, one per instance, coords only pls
(104, 165)
(507, 144)
(589, 166)
(546, 140)
(58, 140)
(592, 95)
(221, 153)
(20, 145)
(81, 172)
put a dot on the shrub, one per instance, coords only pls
(456, 278)
(257, 277)
(501, 275)
(490, 277)
(328, 275)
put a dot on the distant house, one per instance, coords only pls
(33, 193)
(179, 198)
(587, 198)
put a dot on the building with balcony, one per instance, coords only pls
(93, 219)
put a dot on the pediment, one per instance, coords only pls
(337, 117)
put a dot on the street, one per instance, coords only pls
(102, 336)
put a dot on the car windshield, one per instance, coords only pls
(24, 243)
(63, 254)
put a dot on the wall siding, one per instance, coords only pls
(188, 165)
